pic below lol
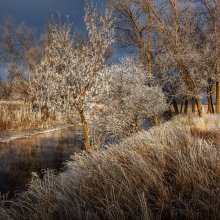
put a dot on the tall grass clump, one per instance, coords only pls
(169, 172)
(17, 115)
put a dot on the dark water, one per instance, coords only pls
(21, 157)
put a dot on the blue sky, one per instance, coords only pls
(37, 13)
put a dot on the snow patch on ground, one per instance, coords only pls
(13, 135)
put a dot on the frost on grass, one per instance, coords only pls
(169, 172)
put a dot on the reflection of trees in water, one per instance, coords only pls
(21, 157)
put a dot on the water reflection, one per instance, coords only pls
(20, 157)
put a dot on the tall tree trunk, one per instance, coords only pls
(209, 96)
(85, 131)
(149, 47)
(199, 107)
(181, 107)
(156, 120)
(186, 107)
(215, 16)
(218, 97)
(210, 101)
(175, 106)
(193, 105)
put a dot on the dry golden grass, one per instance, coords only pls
(15, 115)
(169, 172)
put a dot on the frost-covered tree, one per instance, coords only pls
(19, 49)
(210, 28)
(176, 27)
(69, 73)
(134, 28)
(128, 99)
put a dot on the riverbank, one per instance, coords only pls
(172, 169)
(21, 116)
(7, 136)
(43, 150)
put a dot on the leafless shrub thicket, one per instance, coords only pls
(178, 42)
(127, 100)
(169, 172)
(19, 52)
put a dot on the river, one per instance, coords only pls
(20, 157)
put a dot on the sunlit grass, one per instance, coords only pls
(169, 172)
(21, 116)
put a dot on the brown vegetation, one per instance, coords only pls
(169, 172)
(17, 115)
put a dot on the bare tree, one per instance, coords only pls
(211, 29)
(128, 99)
(176, 26)
(69, 73)
(20, 50)
(134, 28)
